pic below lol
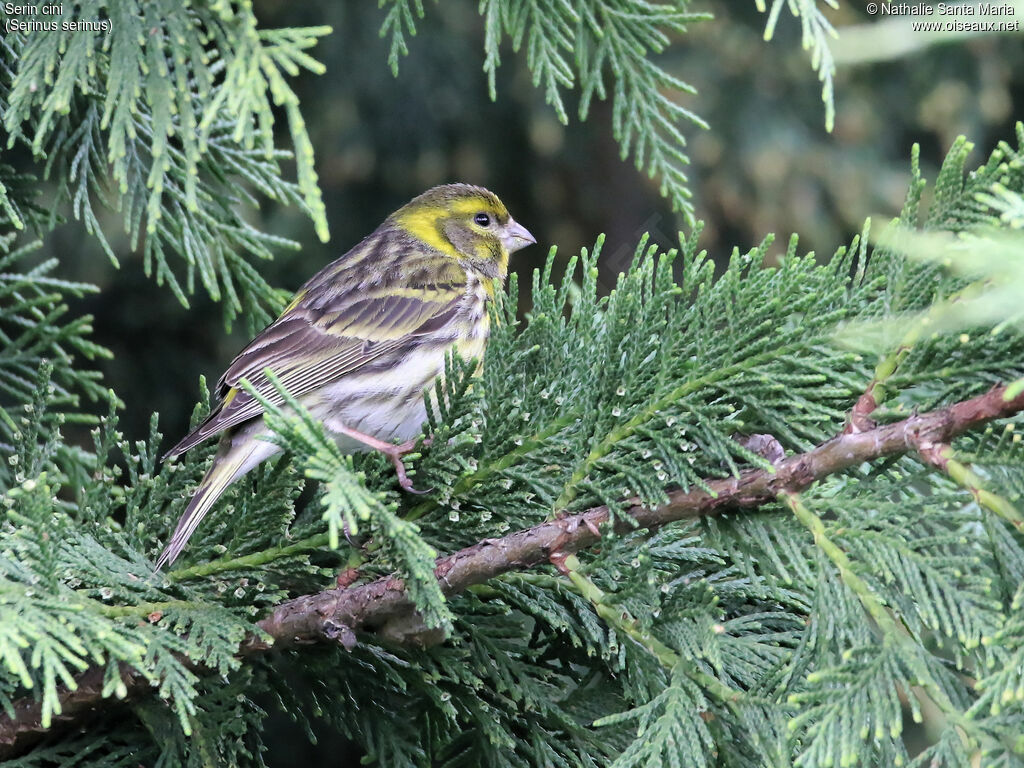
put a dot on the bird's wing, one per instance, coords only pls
(323, 336)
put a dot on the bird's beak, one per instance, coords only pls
(516, 236)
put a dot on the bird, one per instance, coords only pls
(364, 338)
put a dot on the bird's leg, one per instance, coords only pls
(392, 451)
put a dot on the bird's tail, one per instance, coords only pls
(238, 453)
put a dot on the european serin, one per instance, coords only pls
(364, 338)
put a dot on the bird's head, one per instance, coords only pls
(469, 224)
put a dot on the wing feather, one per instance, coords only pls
(317, 341)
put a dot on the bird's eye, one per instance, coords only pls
(482, 219)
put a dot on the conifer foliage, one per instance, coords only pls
(802, 631)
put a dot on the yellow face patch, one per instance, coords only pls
(421, 223)
(484, 253)
(470, 205)
(424, 222)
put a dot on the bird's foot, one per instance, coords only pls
(392, 451)
(395, 453)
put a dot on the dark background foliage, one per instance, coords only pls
(765, 165)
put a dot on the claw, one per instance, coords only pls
(393, 452)
(403, 479)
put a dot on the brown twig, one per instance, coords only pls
(860, 414)
(382, 606)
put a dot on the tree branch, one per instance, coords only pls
(383, 607)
